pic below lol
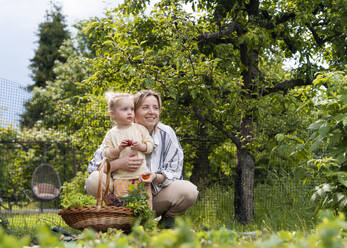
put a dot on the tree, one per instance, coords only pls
(218, 71)
(62, 102)
(257, 30)
(52, 33)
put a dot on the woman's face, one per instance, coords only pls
(148, 113)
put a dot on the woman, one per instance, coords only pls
(172, 196)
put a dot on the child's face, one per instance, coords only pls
(124, 111)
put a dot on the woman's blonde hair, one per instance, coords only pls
(143, 94)
(112, 99)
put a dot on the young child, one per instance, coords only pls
(124, 138)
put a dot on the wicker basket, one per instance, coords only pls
(99, 217)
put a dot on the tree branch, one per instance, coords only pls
(253, 7)
(286, 85)
(271, 22)
(219, 126)
(316, 37)
(219, 37)
(284, 18)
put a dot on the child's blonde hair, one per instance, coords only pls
(112, 99)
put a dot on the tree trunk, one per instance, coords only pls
(244, 178)
(244, 185)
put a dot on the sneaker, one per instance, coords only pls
(166, 222)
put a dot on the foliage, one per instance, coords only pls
(329, 140)
(323, 153)
(330, 128)
(137, 201)
(331, 232)
(23, 151)
(73, 193)
(65, 106)
(9, 241)
(3, 222)
(52, 32)
(220, 71)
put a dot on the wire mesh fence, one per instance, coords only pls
(215, 206)
(21, 210)
(12, 99)
(24, 202)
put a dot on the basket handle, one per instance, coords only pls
(108, 176)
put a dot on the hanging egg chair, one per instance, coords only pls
(45, 183)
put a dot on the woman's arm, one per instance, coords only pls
(98, 156)
(130, 162)
(167, 159)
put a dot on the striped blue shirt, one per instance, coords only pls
(166, 158)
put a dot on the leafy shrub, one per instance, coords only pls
(10, 241)
(329, 138)
(73, 193)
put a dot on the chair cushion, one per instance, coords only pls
(45, 191)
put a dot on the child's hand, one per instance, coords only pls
(137, 146)
(125, 143)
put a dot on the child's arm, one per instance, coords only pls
(147, 144)
(137, 146)
(112, 153)
(110, 150)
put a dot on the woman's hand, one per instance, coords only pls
(130, 163)
(148, 177)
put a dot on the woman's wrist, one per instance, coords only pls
(116, 164)
(158, 178)
(155, 178)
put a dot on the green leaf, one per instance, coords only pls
(343, 99)
(316, 144)
(342, 178)
(279, 137)
(286, 235)
(272, 242)
(324, 129)
(107, 42)
(300, 173)
(316, 125)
